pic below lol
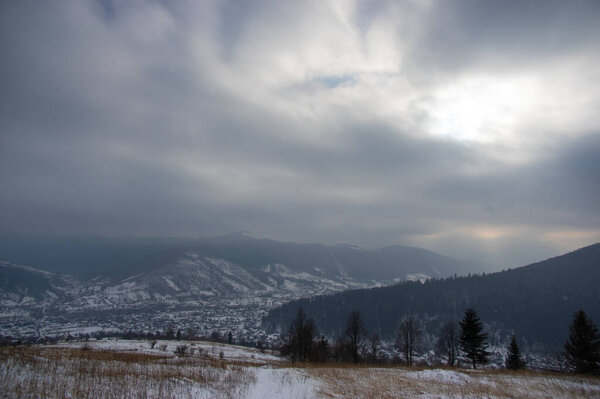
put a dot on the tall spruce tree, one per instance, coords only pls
(473, 342)
(582, 349)
(514, 360)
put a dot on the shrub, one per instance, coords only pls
(181, 350)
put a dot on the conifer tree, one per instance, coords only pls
(514, 360)
(472, 341)
(582, 349)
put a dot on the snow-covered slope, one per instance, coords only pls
(224, 283)
(196, 291)
(199, 278)
(21, 284)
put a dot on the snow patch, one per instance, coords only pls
(445, 376)
(421, 277)
(282, 383)
(171, 284)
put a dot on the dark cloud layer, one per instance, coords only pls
(463, 32)
(464, 127)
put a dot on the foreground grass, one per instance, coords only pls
(221, 371)
(52, 372)
(389, 382)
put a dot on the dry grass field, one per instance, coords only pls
(50, 372)
(132, 369)
(442, 383)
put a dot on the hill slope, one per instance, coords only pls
(21, 284)
(535, 301)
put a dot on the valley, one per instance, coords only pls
(205, 296)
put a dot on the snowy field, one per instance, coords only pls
(143, 369)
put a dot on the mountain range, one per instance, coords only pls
(117, 258)
(143, 283)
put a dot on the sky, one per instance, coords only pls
(471, 128)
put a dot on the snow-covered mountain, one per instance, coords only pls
(196, 291)
(222, 283)
(118, 258)
(196, 279)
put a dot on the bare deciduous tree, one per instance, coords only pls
(355, 335)
(374, 347)
(299, 338)
(409, 336)
(447, 343)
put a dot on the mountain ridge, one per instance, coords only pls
(231, 281)
(121, 257)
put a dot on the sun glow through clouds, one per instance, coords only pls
(483, 109)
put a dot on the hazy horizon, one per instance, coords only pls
(487, 266)
(467, 128)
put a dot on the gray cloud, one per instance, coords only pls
(312, 122)
(462, 33)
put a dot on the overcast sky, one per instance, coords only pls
(471, 128)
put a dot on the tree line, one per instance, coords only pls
(467, 341)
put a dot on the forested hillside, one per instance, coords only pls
(536, 302)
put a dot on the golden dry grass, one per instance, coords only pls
(391, 382)
(53, 372)
(59, 372)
